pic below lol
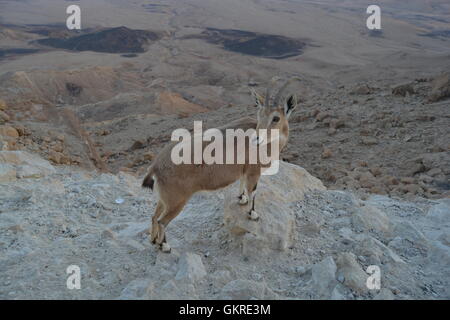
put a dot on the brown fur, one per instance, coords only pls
(177, 183)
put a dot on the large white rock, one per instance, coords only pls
(275, 228)
(27, 165)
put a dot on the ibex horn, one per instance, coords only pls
(269, 90)
(283, 89)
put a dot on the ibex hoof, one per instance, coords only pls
(243, 199)
(252, 215)
(152, 239)
(166, 248)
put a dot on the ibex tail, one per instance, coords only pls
(149, 181)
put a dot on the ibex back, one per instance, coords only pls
(176, 183)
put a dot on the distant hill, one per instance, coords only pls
(252, 43)
(114, 40)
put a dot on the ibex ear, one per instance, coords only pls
(259, 100)
(290, 105)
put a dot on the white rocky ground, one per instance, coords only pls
(309, 242)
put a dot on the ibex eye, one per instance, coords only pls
(276, 119)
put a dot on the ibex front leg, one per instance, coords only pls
(251, 185)
(243, 195)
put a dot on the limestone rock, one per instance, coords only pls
(8, 131)
(136, 290)
(440, 88)
(376, 252)
(362, 90)
(22, 130)
(403, 90)
(369, 141)
(409, 232)
(27, 165)
(337, 294)
(139, 144)
(4, 117)
(384, 294)
(327, 153)
(29, 172)
(241, 289)
(367, 180)
(55, 157)
(45, 222)
(337, 123)
(354, 276)
(274, 230)
(368, 218)
(322, 115)
(324, 277)
(191, 268)
(440, 213)
(437, 160)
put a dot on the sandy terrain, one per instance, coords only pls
(373, 121)
(309, 243)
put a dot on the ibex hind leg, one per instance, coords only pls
(155, 226)
(170, 213)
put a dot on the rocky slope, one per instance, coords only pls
(384, 137)
(374, 121)
(309, 243)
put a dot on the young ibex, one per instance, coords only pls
(177, 183)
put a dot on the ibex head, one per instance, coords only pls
(274, 114)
